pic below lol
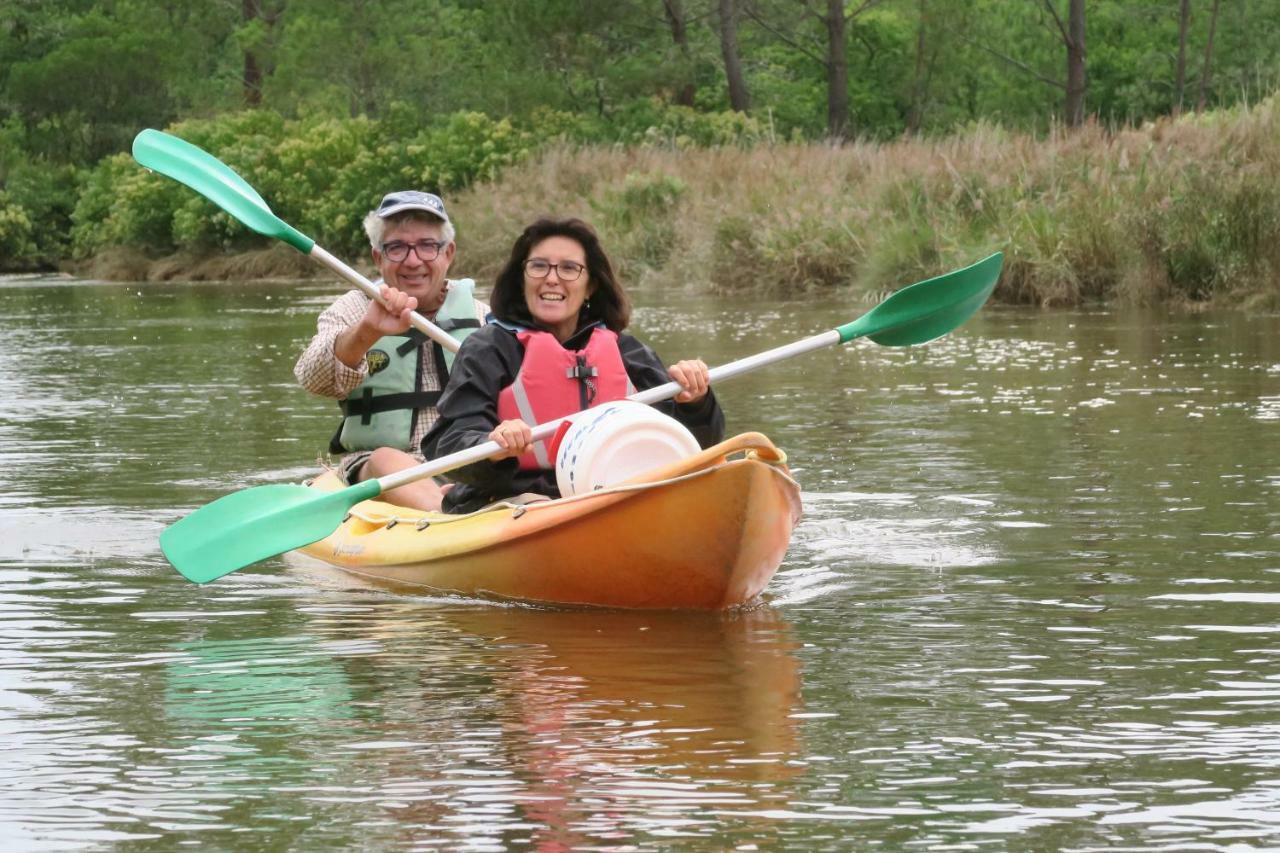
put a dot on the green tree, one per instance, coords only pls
(84, 77)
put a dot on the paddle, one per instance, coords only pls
(263, 521)
(215, 180)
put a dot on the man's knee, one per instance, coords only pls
(386, 460)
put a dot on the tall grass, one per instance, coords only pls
(1181, 211)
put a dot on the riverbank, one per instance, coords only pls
(123, 263)
(1182, 212)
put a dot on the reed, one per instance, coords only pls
(1179, 211)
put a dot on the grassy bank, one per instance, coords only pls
(1180, 212)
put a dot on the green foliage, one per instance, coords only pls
(906, 246)
(735, 249)
(885, 40)
(83, 77)
(47, 193)
(123, 204)
(17, 232)
(639, 217)
(12, 145)
(321, 175)
(814, 244)
(1207, 249)
(649, 121)
(38, 199)
(471, 146)
(789, 97)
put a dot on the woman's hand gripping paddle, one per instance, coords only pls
(213, 179)
(264, 521)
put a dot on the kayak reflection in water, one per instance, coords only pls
(586, 729)
(554, 344)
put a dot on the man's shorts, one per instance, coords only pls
(349, 466)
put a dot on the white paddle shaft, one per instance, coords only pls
(422, 324)
(653, 395)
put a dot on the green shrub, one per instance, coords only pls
(122, 204)
(17, 234)
(470, 146)
(321, 175)
(734, 250)
(785, 251)
(652, 121)
(1214, 234)
(1180, 232)
(47, 194)
(312, 171)
(639, 218)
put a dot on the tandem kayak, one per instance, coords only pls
(707, 532)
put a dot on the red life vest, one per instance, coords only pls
(554, 381)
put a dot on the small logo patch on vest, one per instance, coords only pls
(377, 360)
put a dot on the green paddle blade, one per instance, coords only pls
(213, 179)
(254, 524)
(928, 309)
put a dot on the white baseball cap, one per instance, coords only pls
(398, 202)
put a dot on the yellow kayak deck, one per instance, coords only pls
(707, 532)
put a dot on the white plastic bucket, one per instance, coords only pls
(616, 441)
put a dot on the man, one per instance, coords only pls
(385, 375)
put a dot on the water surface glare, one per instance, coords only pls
(1034, 603)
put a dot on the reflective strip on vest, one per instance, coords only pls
(525, 408)
(457, 316)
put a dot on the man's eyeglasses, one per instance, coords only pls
(426, 250)
(566, 270)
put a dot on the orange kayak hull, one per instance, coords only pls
(705, 533)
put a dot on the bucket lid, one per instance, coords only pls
(615, 442)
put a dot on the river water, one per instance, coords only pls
(1034, 603)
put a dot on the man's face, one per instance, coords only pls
(416, 277)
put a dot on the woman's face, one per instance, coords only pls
(555, 298)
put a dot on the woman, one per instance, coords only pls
(554, 345)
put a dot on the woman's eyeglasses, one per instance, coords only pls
(566, 270)
(426, 250)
